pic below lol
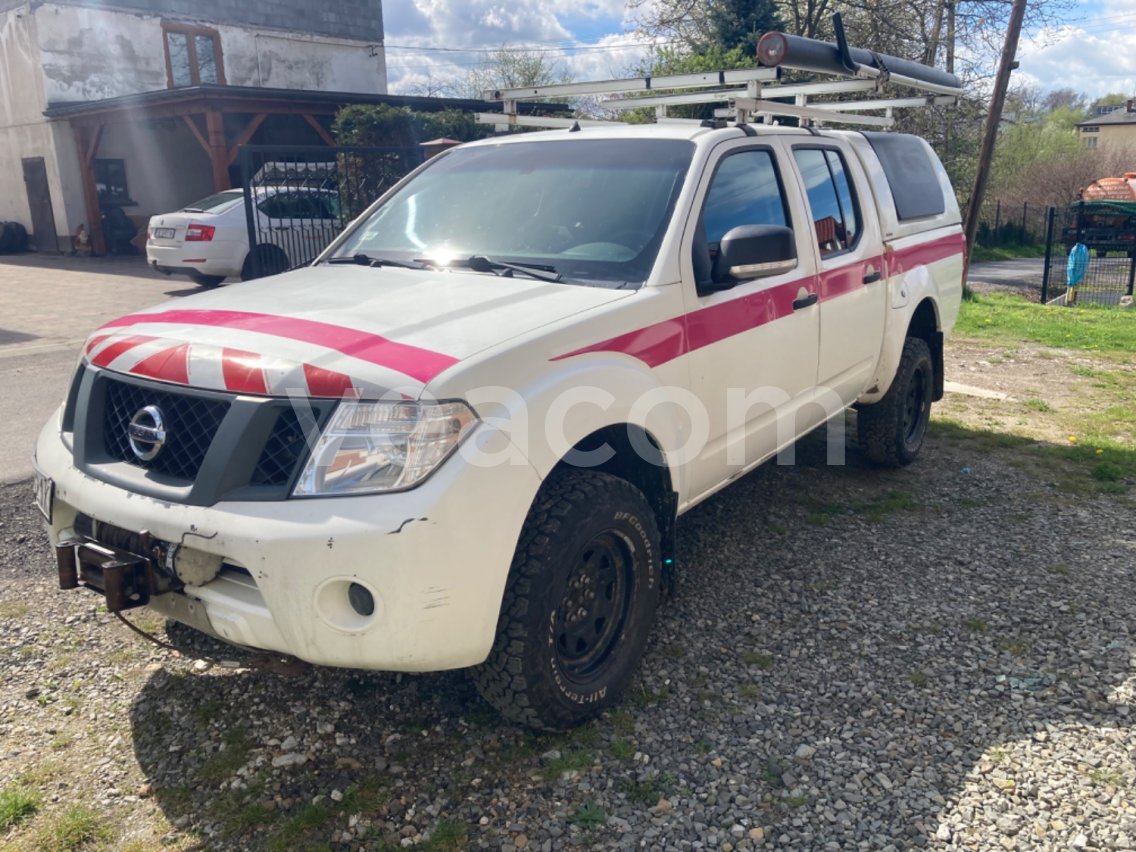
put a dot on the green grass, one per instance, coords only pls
(622, 749)
(648, 791)
(980, 253)
(73, 828)
(918, 679)
(1002, 316)
(590, 815)
(308, 824)
(569, 761)
(17, 803)
(974, 625)
(754, 658)
(222, 764)
(447, 836)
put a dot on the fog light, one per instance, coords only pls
(361, 599)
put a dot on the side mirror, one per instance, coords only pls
(752, 251)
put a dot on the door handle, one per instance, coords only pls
(872, 277)
(805, 301)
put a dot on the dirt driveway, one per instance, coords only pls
(940, 657)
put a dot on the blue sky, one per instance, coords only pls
(1093, 51)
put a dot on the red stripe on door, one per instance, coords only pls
(243, 371)
(421, 364)
(169, 365)
(119, 347)
(906, 259)
(323, 382)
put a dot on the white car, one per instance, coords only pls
(208, 239)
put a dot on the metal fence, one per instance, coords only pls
(1108, 273)
(1002, 223)
(298, 199)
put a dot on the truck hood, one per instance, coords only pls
(329, 331)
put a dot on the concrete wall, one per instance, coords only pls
(353, 19)
(90, 54)
(23, 131)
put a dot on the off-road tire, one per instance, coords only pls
(206, 280)
(537, 672)
(891, 431)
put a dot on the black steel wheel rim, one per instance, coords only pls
(915, 408)
(597, 598)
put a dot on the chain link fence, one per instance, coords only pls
(1105, 270)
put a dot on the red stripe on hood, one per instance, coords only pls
(169, 365)
(421, 364)
(107, 355)
(243, 371)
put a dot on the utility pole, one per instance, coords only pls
(993, 117)
(950, 36)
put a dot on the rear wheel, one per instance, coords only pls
(206, 280)
(270, 260)
(579, 603)
(891, 431)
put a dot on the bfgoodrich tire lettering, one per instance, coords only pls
(579, 603)
(891, 431)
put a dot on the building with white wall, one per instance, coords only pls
(141, 104)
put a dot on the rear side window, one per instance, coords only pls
(836, 217)
(911, 174)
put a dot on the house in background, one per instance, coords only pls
(1115, 129)
(142, 104)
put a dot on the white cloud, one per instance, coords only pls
(1085, 58)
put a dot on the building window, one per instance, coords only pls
(193, 56)
(1091, 129)
(1091, 142)
(110, 180)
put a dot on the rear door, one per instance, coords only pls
(848, 247)
(753, 348)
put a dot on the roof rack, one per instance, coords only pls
(756, 94)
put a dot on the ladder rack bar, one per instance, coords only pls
(636, 84)
(500, 119)
(762, 107)
(888, 103)
(792, 89)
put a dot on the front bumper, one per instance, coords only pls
(435, 558)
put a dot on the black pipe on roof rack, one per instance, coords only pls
(822, 57)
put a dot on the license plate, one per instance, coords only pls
(44, 490)
(164, 233)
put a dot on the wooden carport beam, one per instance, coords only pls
(87, 147)
(218, 150)
(246, 135)
(319, 128)
(188, 119)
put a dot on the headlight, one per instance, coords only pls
(383, 446)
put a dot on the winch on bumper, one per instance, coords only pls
(433, 561)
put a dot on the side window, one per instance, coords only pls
(836, 218)
(745, 191)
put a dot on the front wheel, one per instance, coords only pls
(891, 431)
(579, 603)
(203, 280)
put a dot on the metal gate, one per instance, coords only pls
(1108, 232)
(298, 199)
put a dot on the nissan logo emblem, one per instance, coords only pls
(146, 432)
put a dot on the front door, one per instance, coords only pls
(753, 347)
(39, 202)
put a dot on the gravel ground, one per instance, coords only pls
(935, 657)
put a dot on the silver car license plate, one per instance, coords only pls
(164, 233)
(44, 490)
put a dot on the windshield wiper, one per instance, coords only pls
(481, 263)
(361, 259)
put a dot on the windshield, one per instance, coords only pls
(594, 210)
(215, 203)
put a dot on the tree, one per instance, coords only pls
(700, 25)
(511, 68)
(1063, 99)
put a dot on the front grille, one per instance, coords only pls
(282, 451)
(191, 424)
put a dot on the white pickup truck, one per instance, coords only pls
(463, 436)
